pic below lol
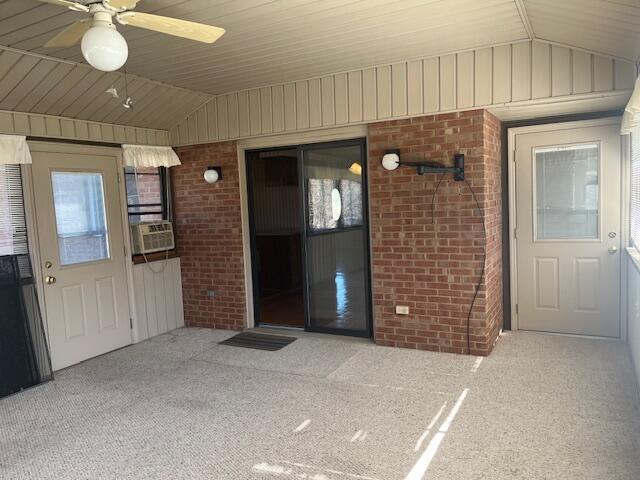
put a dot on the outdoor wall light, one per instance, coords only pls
(391, 161)
(213, 174)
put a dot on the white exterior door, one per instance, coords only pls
(567, 190)
(80, 234)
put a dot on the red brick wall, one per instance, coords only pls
(493, 219)
(432, 264)
(209, 236)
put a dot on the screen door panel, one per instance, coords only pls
(336, 246)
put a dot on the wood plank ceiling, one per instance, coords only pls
(271, 41)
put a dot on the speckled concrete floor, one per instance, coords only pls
(180, 406)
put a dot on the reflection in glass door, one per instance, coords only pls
(336, 234)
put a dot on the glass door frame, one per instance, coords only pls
(362, 143)
(253, 242)
(303, 198)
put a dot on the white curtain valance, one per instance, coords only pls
(631, 116)
(14, 150)
(146, 156)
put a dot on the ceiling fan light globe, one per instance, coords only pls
(104, 48)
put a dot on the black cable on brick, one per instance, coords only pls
(484, 251)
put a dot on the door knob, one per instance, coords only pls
(49, 280)
(612, 249)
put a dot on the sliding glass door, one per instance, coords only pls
(336, 238)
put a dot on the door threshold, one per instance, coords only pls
(302, 333)
(278, 327)
(573, 335)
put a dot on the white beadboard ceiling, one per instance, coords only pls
(273, 41)
(33, 83)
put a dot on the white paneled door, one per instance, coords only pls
(80, 232)
(567, 193)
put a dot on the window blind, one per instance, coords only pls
(13, 229)
(635, 188)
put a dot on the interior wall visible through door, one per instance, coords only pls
(274, 196)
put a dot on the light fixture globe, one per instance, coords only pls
(212, 174)
(104, 48)
(390, 161)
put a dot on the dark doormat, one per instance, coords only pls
(259, 341)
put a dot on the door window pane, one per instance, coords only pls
(567, 192)
(81, 224)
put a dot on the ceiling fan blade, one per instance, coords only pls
(70, 35)
(172, 26)
(78, 7)
(122, 4)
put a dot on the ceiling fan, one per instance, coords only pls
(103, 46)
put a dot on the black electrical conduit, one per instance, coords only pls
(484, 252)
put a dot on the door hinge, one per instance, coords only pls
(515, 233)
(514, 154)
(131, 323)
(516, 309)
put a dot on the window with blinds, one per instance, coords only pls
(23, 345)
(13, 229)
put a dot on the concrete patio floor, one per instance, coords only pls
(180, 406)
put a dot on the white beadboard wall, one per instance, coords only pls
(157, 298)
(527, 71)
(48, 126)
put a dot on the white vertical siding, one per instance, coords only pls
(502, 74)
(414, 87)
(315, 103)
(448, 82)
(302, 105)
(560, 74)
(328, 101)
(520, 72)
(157, 298)
(341, 99)
(383, 91)
(49, 126)
(277, 94)
(355, 96)
(369, 103)
(399, 89)
(466, 79)
(431, 85)
(232, 112)
(581, 72)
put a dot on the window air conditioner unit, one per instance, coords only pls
(149, 237)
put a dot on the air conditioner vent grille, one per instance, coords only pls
(152, 237)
